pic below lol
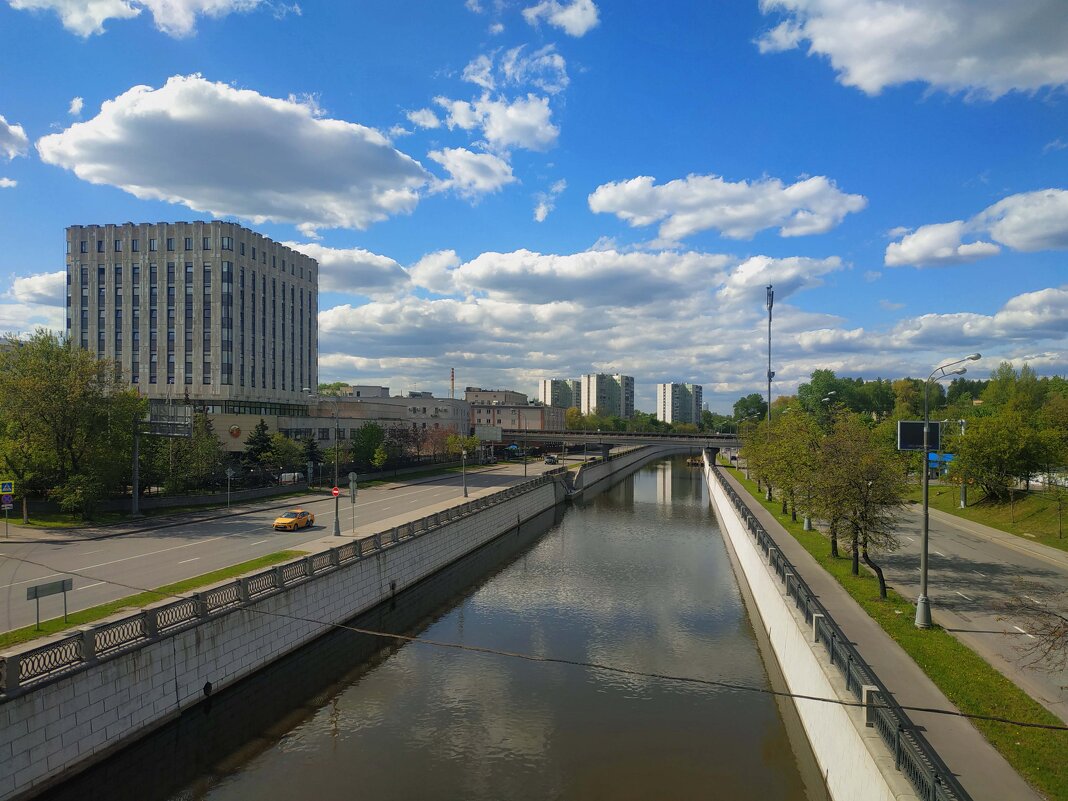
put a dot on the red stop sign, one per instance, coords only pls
(335, 492)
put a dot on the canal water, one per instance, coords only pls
(635, 577)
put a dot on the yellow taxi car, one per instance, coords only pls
(294, 519)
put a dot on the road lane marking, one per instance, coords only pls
(1032, 636)
(89, 586)
(187, 561)
(910, 539)
(962, 595)
(939, 553)
(150, 553)
(983, 575)
(260, 542)
(30, 581)
(1033, 600)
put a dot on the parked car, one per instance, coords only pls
(550, 459)
(294, 519)
(490, 460)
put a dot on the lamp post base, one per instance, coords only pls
(923, 613)
(337, 517)
(807, 524)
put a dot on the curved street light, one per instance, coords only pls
(923, 604)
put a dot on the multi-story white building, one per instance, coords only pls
(562, 393)
(608, 394)
(679, 403)
(208, 311)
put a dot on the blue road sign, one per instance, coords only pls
(7, 487)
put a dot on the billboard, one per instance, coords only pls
(910, 435)
(488, 433)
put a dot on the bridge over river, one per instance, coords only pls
(611, 438)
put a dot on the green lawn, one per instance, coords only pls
(93, 613)
(966, 679)
(1033, 515)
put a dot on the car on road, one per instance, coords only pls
(550, 459)
(294, 519)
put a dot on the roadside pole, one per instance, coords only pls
(7, 488)
(352, 499)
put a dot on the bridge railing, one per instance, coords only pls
(23, 668)
(913, 755)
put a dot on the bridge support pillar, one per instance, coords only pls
(605, 449)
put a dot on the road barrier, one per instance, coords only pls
(913, 755)
(26, 669)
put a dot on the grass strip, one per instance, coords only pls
(94, 613)
(965, 678)
(1034, 516)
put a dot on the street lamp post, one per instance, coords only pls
(963, 483)
(463, 469)
(923, 605)
(337, 498)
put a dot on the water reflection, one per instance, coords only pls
(636, 576)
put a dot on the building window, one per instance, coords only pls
(170, 243)
(152, 245)
(205, 243)
(100, 246)
(189, 243)
(227, 243)
(135, 245)
(85, 246)
(324, 434)
(118, 246)
(242, 245)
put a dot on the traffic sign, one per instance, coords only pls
(7, 499)
(7, 507)
(7, 487)
(335, 492)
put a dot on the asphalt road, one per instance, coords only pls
(973, 574)
(110, 568)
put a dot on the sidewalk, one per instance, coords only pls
(982, 771)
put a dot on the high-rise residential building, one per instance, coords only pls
(608, 394)
(206, 310)
(482, 397)
(679, 403)
(563, 393)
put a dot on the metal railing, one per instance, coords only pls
(23, 670)
(913, 755)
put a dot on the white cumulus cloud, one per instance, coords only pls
(354, 271)
(937, 244)
(1029, 221)
(472, 174)
(13, 140)
(737, 210)
(76, 106)
(980, 47)
(40, 288)
(546, 201)
(250, 156)
(576, 18)
(174, 17)
(8, 183)
(524, 122)
(424, 118)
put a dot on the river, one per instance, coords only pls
(635, 577)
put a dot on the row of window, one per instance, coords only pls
(226, 243)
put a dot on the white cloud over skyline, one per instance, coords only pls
(13, 139)
(1027, 222)
(980, 47)
(292, 166)
(576, 18)
(737, 210)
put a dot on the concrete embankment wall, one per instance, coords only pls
(594, 473)
(59, 727)
(853, 760)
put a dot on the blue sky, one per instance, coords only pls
(521, 189)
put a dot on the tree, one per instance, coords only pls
(862, 479)
(284, 452)
(365, 443)
(258, 445)
(310, 451)
(573, 419)
(381, 456)
(68, 420)
(1047, 623)
(998, 452)
(751, 405)
(186, 464)
(334, 389)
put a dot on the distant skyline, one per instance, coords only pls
(528, 189)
